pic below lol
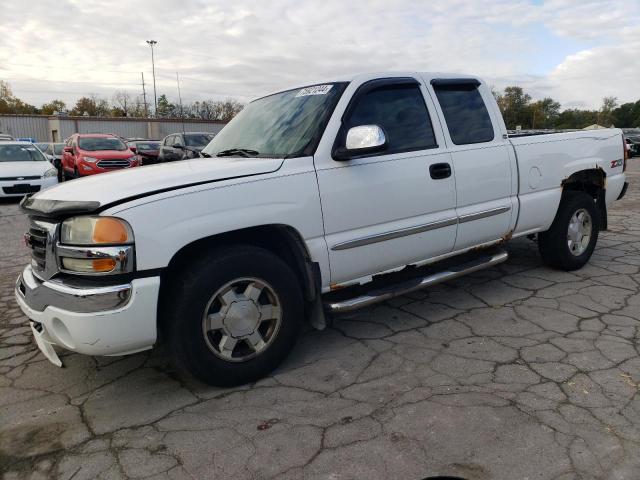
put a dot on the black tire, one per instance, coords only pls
(63, 174)
(192, 291)
(553, 245)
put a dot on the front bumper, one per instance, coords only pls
(115, 320)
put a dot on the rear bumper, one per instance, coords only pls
(113, 320)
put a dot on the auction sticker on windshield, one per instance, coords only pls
(315, 90)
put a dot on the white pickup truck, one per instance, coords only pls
(318, 199)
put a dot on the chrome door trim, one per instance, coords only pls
(470, 217)
(403, 232)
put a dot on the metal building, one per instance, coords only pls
(45, 128)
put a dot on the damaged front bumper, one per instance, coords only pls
(105, 320)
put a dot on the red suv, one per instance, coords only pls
(91, 153)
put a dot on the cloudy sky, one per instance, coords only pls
(576, 51)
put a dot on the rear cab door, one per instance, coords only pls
(483, 160)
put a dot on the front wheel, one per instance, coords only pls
(236, 315)
(569, 243)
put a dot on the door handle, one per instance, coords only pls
(438, 171)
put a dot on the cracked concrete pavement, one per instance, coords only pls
(511, 373)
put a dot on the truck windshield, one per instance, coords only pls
(286, 124)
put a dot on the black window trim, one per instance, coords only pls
(363, 90)
(471, 84)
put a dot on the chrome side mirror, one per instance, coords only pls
(361, 140)
(365, 137)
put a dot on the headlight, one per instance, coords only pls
(95, 231)
(133, 158)
(90, 159)
(52, 172)
(95, 246)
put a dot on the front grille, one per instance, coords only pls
(13, 179)
(38, 244)
(19, 189)
(113, 163)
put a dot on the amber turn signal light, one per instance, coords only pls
(109, 230)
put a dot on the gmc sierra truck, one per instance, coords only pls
(315, 200)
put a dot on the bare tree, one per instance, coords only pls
(123, 101)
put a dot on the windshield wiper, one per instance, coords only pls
(243, 152)
(205, 154)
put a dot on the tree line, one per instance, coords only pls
(122, 104)
(518, 109)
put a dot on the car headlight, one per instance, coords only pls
(95, 246)
(95, 231)
(133, 158)
(90, 159)
(52, 172)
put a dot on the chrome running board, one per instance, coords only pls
(405, 287)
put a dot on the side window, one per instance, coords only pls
(178, 139)
(466, 114)
(168, 141)
(401, 112)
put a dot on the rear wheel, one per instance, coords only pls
(569, 243)
(236, 315)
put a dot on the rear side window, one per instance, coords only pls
(402, 114)
(466, 114)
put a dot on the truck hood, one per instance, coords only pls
(97, 191)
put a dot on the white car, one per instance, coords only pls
(24, 169)
(324, 198)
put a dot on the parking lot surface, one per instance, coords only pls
(518, 372)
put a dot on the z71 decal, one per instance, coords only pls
(616, 163)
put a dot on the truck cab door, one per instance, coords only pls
(486, 194)
(395, 207)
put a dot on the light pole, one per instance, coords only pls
(153, 67)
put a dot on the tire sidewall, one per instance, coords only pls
(208, 275)
(572, 205)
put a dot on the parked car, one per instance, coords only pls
(633, 140)
(630, 147)
(24, 169)
(5, 137)
(324, 198)
(91, 153)
(54, 152)
(182, 146)
(146, 150)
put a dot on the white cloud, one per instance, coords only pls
(244, 48)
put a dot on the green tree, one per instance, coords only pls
(544, 113)
(10, 103)
(92, 106)
(52, 107)
(606, 111)
(514, 105)
(165, 107)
